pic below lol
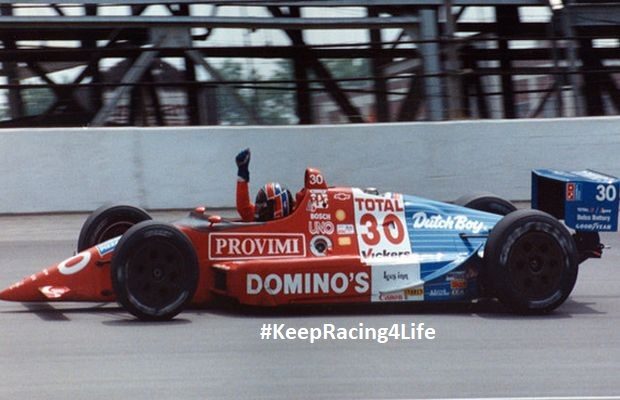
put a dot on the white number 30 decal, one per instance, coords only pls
(606, 193)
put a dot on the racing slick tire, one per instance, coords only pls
(107, 222)
(154, 271)
(531, 262)
(487, 202)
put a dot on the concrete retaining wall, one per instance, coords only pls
(46, 170)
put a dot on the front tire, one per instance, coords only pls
(154, 271)
(108, 222)
(531, 262)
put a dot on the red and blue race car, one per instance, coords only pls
(342, 245)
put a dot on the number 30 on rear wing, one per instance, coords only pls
(586, 200)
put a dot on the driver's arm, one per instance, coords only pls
(245, 208)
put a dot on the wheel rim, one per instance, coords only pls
(114, 230)
(536, 265)
(156, 276)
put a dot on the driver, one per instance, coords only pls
(273, 200)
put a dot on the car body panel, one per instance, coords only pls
(340, 245)
(586, 200)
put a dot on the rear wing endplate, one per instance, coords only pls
(586, 200)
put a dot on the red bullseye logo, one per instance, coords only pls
(74, 264)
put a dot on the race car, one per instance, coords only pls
(342, 245)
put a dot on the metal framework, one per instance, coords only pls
(73, 64)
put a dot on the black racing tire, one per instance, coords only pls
(154, 271)
(107, 222)
(487, 202)
(531, 262)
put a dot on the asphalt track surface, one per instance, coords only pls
(97, 351)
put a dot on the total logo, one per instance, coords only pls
(378, 204)
(226, 246)
(452, 222)
(308, 283)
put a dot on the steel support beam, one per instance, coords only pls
(430, 52)
(453, 81)
(10, 69)
(296, 3)
(381, 106)
(96, 94)
(330, 84)
(303, 95)
(507, 18)
(576, 81)
(198, 59)
(144, 22)
(135, 72)
(597, 14)
(410, 105)
(592, 82)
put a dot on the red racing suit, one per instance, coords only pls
(245, 207)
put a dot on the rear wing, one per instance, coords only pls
(585, 200)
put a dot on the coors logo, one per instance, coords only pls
(226, 246)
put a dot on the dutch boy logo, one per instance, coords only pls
(452, 222)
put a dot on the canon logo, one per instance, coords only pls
(226, 246)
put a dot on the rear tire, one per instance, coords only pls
(154, 271)
(487, 202)
(531, 261)
(108, 222)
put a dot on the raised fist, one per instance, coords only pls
(243, 164)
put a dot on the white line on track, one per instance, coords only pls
(530, 398)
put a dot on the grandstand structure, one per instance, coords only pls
(151, 62)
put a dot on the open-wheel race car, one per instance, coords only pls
(342, 245)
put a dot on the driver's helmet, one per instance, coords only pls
(273, 201)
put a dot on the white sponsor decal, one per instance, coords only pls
(318, 200)
(453, 222)
(399, 296)
(74, 264)
(345, 229)
(107, 246)
(395, 279)
(320, 217)
(226, 246)
(307, 283)
(321, 227)
(439, 293)
(375, 203)
(380, 225)
(54, 292)
(320, 245)
(371, 253)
